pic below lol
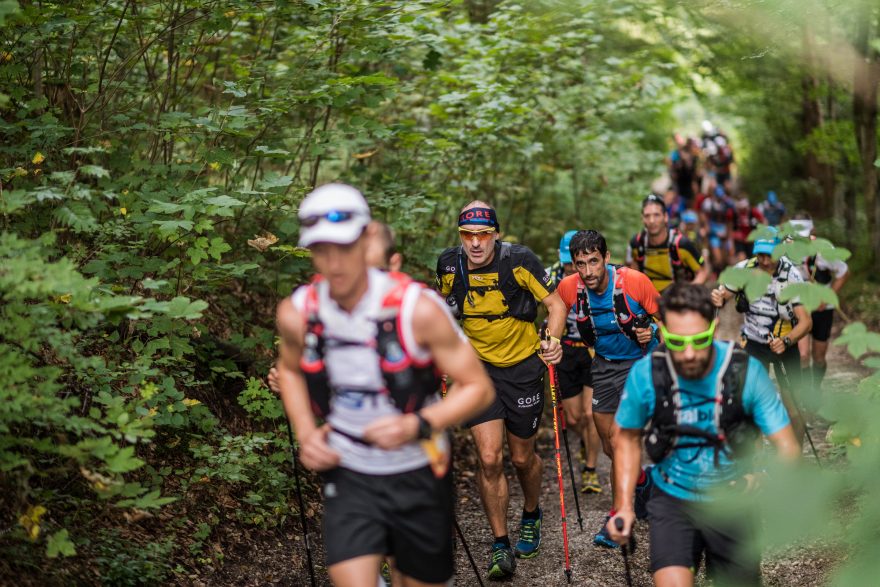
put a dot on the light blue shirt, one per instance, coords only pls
(691, 471)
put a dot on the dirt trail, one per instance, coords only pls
(278, 557)
(596, 566)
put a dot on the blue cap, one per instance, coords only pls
(766, 245)
(719, 190)
(564, 247)
(690, 217)
(771, 197)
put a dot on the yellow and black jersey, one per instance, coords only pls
(678, 259)
(498, 304)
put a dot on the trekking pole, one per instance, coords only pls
(618, 523)
(574, 488)
(467, 551)
(800, 414)
(552, 370)
(302, 508)
(444, 389)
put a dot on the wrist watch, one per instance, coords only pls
(425, 430)
(786, 341)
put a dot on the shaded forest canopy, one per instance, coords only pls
(152, 155)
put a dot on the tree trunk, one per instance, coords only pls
(821, 194)
(865, 87)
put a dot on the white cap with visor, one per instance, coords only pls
(333, 213)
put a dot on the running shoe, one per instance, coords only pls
(590, 482)
(602, 538)
(529, 537)
(643, 494)
(503, 563)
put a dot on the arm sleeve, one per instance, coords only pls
(689, 254)
(642, 291)
(567, 289)
(637, 402)
(762, 402)
(530, 274)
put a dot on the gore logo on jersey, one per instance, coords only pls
(525, 402)
(449, 268)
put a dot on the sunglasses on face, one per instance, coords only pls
(332, 216)
(678, 342)
(481, 235)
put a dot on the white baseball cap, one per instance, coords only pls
(333, 213)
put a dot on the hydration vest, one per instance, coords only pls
(408, 382)
(735, 431)
(520, 303)
(625, 318)
(780, 275)
(672, 242)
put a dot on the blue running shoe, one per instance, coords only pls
(529, 537)
(503, 564)
(602, 538)
(643, 494)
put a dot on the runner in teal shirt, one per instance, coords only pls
(688, 472)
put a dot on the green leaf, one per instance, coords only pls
(94, 171)
(811, 295)
(123, 461)
(59, 543)
(182, 307)
(859, 340)
(753, 281)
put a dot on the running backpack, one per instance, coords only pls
(735, 431)
(408, 382)
(626, 320)
(520, 303)
(640, 246)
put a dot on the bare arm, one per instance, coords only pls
(453, 355)
(627, 465)
(473, 391)
(786, 445)
(557, 311)
(702, 275)
(314, 451)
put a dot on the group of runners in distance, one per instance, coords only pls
(365, 350)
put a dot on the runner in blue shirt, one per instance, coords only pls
(614, 307)
(692, 454)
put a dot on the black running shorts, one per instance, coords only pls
(574, 371)
(822, 322)
(408, 516)
(680, 535)
(609, 377)
(519, 396)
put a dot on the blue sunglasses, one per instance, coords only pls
(333, 216)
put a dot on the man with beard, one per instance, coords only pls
(494, 288)
(664, 254)
(681, 392)
(613, 306)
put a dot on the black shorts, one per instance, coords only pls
(609, 377)
(680, 534)
(407, 515)
(574, 370)
(519, 396)
(822, 322)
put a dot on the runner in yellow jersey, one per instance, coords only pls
(664, 254)
(494, 287)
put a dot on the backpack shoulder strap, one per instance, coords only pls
(674, 242)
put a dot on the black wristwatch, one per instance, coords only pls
(786, 341)
(425, 431)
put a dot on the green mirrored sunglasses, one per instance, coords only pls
(678, 342)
